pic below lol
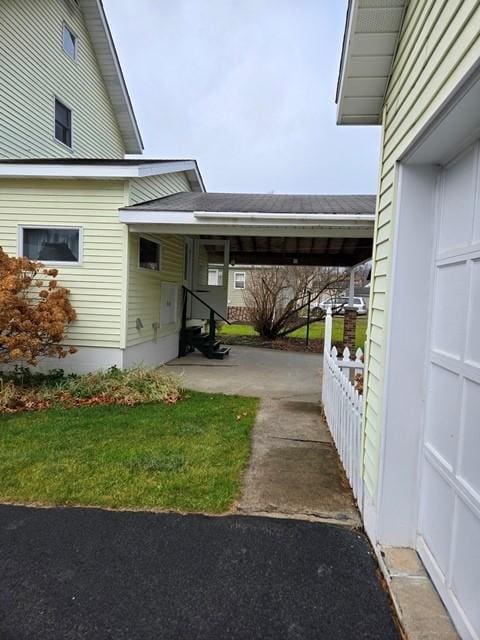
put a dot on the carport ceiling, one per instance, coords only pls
(261, 250)
(266, 229)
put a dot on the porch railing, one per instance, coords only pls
(343, 406)
(211, 322)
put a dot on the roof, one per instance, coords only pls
(262, 203)
(108, 62)
(370, 39)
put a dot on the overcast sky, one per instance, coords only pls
(246, 87)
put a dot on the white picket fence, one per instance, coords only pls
(343, 406)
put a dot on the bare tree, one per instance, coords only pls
(276, 296)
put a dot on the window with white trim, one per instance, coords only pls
(69, 42)
(149, 254)
(239, 280)
(50, 244)
(215, 277)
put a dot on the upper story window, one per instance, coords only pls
(50, 244)
(63, 123)
(149, 254)
(69, 42)
(239, 280)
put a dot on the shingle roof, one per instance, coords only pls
(261, 203)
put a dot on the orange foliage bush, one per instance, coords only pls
(34, 312)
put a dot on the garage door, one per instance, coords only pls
(449, 515)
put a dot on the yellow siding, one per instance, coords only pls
(35, 70)
(143, 189)
(97, 284)
(144, 287)
(439, 43)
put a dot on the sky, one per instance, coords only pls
(247, 88)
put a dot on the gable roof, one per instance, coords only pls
(108, 62)
(262, 203)
(370, 39)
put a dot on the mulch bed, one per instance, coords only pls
(285, 344)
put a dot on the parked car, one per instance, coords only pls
(338, 304)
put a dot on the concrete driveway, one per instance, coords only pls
(250, 371)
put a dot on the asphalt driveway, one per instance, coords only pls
(69, 574)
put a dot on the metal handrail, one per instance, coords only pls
(205, 304)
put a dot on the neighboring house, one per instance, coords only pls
(414, 69)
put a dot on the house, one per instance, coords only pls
(413, 68)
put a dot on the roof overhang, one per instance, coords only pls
(371, 34)
(107, 58)
(100, 170)
(233, 223)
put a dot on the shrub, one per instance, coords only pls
(34, 312)
(131, 387)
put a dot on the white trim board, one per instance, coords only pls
(95, 170)
(275, 224)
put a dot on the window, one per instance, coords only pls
(50, 244)
(149, 255)
(239, 280)
(215, 277)
(69, 42)
(63, 123)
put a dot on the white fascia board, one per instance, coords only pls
(346, 54)
(113, 171)
(310, 218)
(274, 231)
(360, 225)
(149, 216)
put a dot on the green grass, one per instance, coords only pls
(188, 457)
(317, 330)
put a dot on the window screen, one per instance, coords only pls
(51, 245)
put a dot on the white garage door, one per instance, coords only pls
(449, 517)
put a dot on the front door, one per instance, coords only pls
(449, 517)
(210, 277)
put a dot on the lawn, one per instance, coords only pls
(317, 330)
(189, 456)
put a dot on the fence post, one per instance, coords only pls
(327, 342)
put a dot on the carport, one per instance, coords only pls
(266, 229)
(223, 229)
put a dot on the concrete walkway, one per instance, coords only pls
(294, 469)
